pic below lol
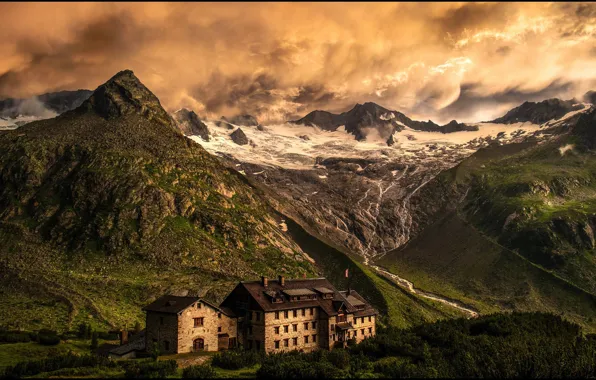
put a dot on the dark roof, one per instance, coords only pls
(175, 304)
(323, 290)
(136, 343)
(298, 292)
(171, 304)
(328, 306)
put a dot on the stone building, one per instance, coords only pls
(186, 324)
(301, 314)
(266, 315)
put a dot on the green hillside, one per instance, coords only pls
(521, 236)
(108, 206)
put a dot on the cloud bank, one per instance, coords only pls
(440, 61)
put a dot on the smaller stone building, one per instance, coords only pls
(187, 324)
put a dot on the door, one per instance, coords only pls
(198, 344)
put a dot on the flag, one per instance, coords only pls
(346, 273)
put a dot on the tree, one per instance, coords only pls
(155, 352)
(94, 342)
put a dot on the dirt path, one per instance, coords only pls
(409, 286)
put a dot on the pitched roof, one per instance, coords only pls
(171, 304)
(329, 306)
(136, 343)
(175, 304)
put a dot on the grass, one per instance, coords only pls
(12, 353)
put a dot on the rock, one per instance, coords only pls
(239, 137)
(305, 137)
(245, 121)
(190, 124)
(390, 140)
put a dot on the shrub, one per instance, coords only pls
(94, 341)
(236, 359)
(339, 358)
(48, 340)
(204, 371)
(16, 336)
(150, 369)
(70, 360)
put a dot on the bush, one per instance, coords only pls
(339, 358)
(48, 340)
(150, 369)
(236, 359)
(204, 371)
(16, 336)
(30, 368)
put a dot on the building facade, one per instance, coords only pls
(266, 315)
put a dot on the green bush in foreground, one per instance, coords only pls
(204, 371)
(236, 359)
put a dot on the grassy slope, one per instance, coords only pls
(397, 307)
(467, 255)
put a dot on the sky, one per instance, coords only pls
(279, 61)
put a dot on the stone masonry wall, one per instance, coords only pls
(163, 329)
(299, 320)
(187, 332)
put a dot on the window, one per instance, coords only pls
(286, 328)
(362, 332)
(332, 326)
(370, 319)
(219, 315)
(303, 312)
(277, 344)
(334, 337)
(295, 313)
(355, 321)
(370, 330)
(277, 315)
(250, 315)
(362, 320)
(306, 325)
(219, 329)
(198, 305)
(314, 338)
(314, 325)
(161, 320)
(258, 315)
(295, 326)
(312, 310)
(355, 333)
(249, 330)
(277, 330)
(295, 341)
(198, 321)
(258, 344)
(166, 345)
(285, 314)
(286, 342)
(306, 339)
(249, 344)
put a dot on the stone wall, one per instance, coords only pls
(227, 325)
(364, 327)
(163, 329)
(187, 332)
(299, 320)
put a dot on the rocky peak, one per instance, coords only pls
(590, 97)
(245, 120)
(239, 137)
(190, 124)
(125, 94)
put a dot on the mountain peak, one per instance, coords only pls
(125, 94)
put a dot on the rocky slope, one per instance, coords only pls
(540, 112)
(190, 124)
(369, 117)
(529, 205)
(107, 206)
(57, 102)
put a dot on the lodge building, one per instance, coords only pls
(266, 315)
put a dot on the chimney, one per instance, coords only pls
(282, 281)
(123, 337)
(264, 281)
